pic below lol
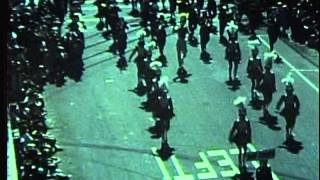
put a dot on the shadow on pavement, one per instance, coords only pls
(94, 55)
(140, 92)
(155, 130)
(234, 85)
(289, 176)
(271, 122)
(124, 169)
(92, 35)
(165, 152)
(292, 145)
(182, 80)
(105, 147)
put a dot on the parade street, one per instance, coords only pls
(104, 132)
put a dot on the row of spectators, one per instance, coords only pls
(37, 55)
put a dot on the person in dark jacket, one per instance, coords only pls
(263, 172)
(161, 36)
(254, 67)
(240, 133)
(225, 15)
(268, 83)
(140, 59)
(181, 45)
(122, 43)
(212, 8)
(291, 106)
(273, 27)
(205, 29)
(192, 23)
(233, 52)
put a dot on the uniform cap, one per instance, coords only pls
(183, 16)
(239, 100)
(288, 80)
(254, 44)
(151, 45)
(155, 65)
(141, 33)
(270, 55)
(164, 82)
(232, 26)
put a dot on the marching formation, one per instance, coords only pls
(152, 83)
(40, 53)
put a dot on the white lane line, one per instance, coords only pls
(12, 172)
(164, 170)
(313, 86)
(308, 70)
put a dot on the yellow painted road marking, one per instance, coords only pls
(313, 86)
(178, 167)
(164, 170)
(227, 161)
(205, 164)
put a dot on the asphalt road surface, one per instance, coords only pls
(105, 134)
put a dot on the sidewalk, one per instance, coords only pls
(309, 54)
(11, 157)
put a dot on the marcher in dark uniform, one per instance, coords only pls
(152, 94)
(205, 29)
(161, 36)
(291, 107)
(273, 27)
(173, 7)
(233, 53)
(181, 45)
(283, 17)
(74, 44)
(164, 111)
(240, 133)
(254, 67)
(268, 83)
(199, 4)
(112, 19)
(102, 13)
(122, 43)
(140, 59)
(212, 8)
(264, 171)
(192, 23)
(224, 18)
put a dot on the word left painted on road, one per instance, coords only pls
(204, 165)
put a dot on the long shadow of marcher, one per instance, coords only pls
(244, 175)
(257, 100)
(271, 122)
(233, 84)
(292, 145)
(163, 60)
(122, 63)
(182, 75)
(206, 58)
(138, 91)
(155, 130)
(224, 41)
